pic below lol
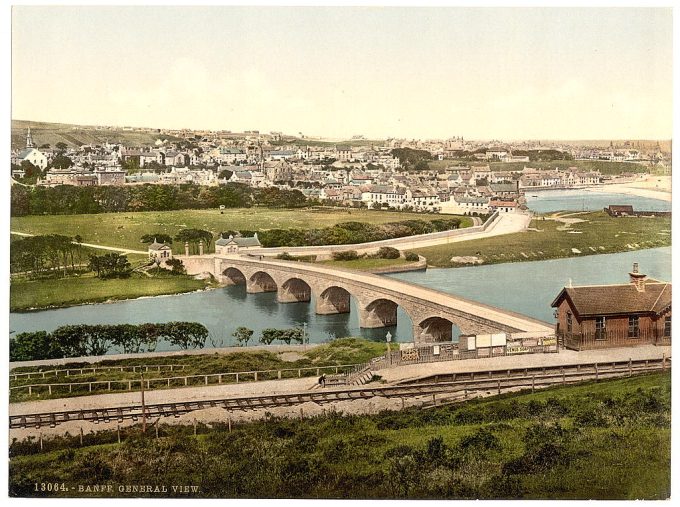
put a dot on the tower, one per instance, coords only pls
(29, 139)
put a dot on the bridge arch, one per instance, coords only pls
(434, 329)
(294, 290)
(332, 300)
(379, 312)
(261, 281)
(233, 276)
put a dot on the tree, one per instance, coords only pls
(61, 161)
(158, 237)
(110, 265)
(225, 174)
(186, 334)
(61, 146)
(32, 346)
(268, 335)
(177, 266)
(243, 335)
(194, 236)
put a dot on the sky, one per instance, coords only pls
(482, 73)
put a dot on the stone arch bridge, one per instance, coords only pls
(432, 312)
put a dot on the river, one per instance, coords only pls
(547, 201)
(526, 287)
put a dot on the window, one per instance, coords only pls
(633, 326)
(600, 328)
(568, 322)
(667, 326)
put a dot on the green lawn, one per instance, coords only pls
(367, 264)
(600, 440)
(29, 294)
(549, 239)
(342, 351)
(125, 229)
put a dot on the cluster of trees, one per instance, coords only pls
(194, 237)
(38, 255)
(110, 265)
(159, 237)
(95, 340)
(68, 199)
(270, 335)
(412, 159)
(350, 232)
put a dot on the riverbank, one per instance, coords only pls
(549, 238)
(37, 295)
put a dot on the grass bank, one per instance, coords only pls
(551, 239)
(125, 229)
(600, 440)
(342, 351)
(61, 292)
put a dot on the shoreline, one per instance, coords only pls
(628, 189)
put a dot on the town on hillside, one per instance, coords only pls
(437, 176)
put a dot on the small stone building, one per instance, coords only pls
(235, 244)
(602, 316)
(161, 251)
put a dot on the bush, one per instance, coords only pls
(346, 255)
(285, 256)
(412, 257)
(387, 252)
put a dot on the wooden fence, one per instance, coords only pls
(181, 381)
(611, 338)
(67, 372)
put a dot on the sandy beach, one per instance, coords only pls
(653, 187)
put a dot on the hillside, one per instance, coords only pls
(77, 135)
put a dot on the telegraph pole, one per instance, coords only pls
(143, 407)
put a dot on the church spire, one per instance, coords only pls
(29, 139)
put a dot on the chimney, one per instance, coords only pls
(637, 278)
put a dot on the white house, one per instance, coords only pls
(232, 245)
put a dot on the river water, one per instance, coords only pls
(547, 201)
(526, 287)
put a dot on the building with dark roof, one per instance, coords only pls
(601, 316)
(233, 244)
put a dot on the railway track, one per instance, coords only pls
(455, 387)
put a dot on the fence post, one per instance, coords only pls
(129, 385)
(168, 382)
(219, 378)
(206, 380)
(49, 388)
(229, 421)
(279, 373)
(302, 414)
(255, 376)
(663, 362)
(118, 431)
(237, 378)
(70, 386)
(499, 386)
(434, 399)
(597, 372)
(41, 441)
(81, 436)
(564, 379)
(533, 382)
(630, 367)
(299, 373)
(186, 381)
(194, 426)
(30, 390)
(109, 385)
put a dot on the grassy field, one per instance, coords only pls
(367, 264)
(600, 440)
(550, 239)
(33, 294)
(125, 229)
(342, 351)
(77, 135)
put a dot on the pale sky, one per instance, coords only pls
(484, 73)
